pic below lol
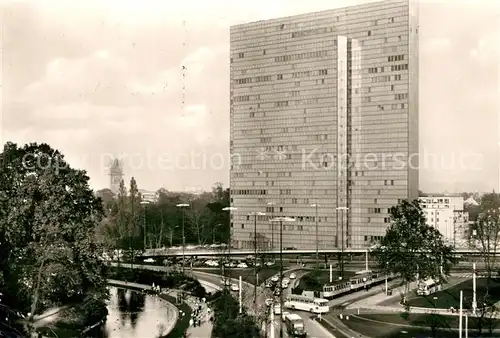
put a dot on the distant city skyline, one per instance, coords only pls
(100, 79)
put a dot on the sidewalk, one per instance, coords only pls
(205, 329)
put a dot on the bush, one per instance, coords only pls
(228, 322)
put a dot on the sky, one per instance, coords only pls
(97, 79)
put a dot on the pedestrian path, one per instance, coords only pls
(204, 329)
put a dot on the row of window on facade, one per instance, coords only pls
(375, 70)
(297, 218)
(301, 56)
(385, 78)
(367, 99)
(304, 74)
(249, 192)
(373, 238)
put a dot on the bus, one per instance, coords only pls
(314, 305)
(428, 287)
(295, 325)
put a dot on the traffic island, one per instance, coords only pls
(450, 297)
(431, 325)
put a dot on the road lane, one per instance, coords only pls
(314, 329)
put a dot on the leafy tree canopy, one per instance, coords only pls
(48, 216)
(411, 247)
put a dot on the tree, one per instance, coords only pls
(411, 248)
(486, 241)
(198, 216)
(134, 220)
(487, 237)
(227, 320)
(48, 216)
(107, 197)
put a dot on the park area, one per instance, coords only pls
(417, 325)
(316, 279)
(450, 297)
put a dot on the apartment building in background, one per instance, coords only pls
(323, 111)
(446, 213)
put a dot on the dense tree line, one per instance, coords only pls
(134, 223)
(48, 252)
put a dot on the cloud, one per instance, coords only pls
(96, 78)
(437, 45)
(487, 48)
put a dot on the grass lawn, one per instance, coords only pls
(451, 297)
(428, 320)
(314, 280)
(383, 330)
(247, 275)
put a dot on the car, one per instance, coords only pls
(269, 284)
(225, 282)
(275, 278)
(269, 263)
(293, 275)
(242, 265)
(277, 309)
(269, 301)
(277, 292)
(235, 287)
(284, 314)
(286, 280)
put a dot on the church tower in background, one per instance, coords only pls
(116, 175)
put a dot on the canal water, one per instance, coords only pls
(135, 315)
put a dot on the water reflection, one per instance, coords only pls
(135, 315)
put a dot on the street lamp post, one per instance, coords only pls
(230, 209)
(272, 224)
(144, 221)
(342, 240)
(317, 238)
(281, 220)
(255, 214)
(183, 206)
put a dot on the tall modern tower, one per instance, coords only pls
(324, 111)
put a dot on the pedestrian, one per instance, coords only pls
(191, 322)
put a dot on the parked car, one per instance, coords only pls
(293, 275)
(242, 265)
(269, 283)
(235, 287)
(269, 301)
(269, 263)
(277, 309)
(275, 278)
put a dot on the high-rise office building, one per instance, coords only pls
(324, 119)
